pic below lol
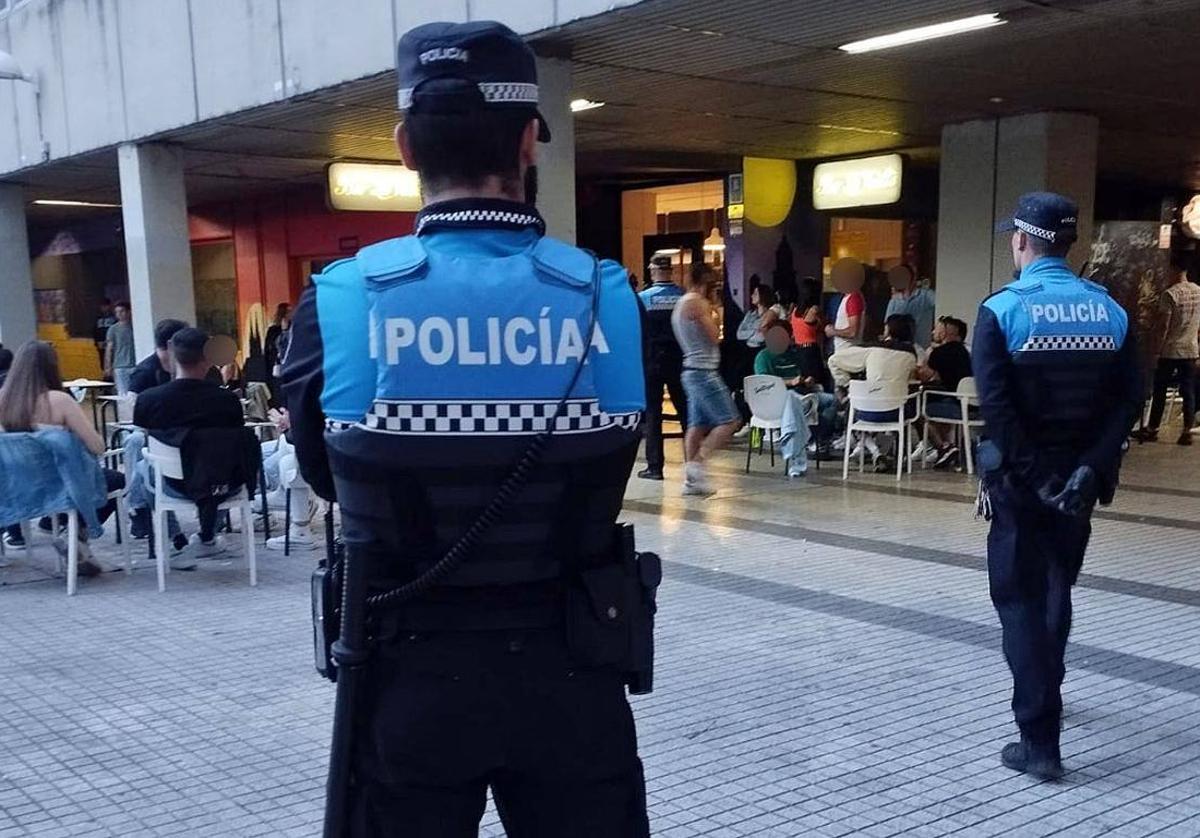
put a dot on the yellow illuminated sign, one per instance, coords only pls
(373, 187)
(863, 182)
(736, 211)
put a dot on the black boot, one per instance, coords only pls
(1042, 761)
(649, 473)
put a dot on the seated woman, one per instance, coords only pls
(32, 398)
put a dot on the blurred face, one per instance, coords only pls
(777, 341)
(848, 275)
(939, 332)
(899, 278)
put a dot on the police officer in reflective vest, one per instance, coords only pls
(472, 394)
(1059, 388)
(664, 361)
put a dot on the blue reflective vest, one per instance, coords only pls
(444, 355)
(1057, 374)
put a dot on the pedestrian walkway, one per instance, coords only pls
(829, 664)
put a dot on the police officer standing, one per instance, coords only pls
(1059, 388)
(664, 361)
(472, 394)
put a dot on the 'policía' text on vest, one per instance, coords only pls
(1069, 313)
(518, 340)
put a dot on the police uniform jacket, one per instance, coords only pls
(420, 371)
(1056, 368)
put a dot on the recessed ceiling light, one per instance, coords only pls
(997, 100)
(924, 33)
(48, 202)
(581, 105)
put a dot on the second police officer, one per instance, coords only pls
(421, 372)
(1059, 387)
(664, 361)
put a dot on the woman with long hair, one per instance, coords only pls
(33, 398)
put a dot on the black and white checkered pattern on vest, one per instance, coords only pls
(1070, 343)
(504, 418)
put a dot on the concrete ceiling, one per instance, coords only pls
(692, 85)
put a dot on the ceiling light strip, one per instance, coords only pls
(924, 33)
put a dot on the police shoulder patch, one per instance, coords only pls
(392, 259)
(563, 262)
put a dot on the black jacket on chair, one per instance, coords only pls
(217, 462)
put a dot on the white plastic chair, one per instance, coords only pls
(878, 397)
(766, 396)
(968, 397)
(167, 462)
(111, 460)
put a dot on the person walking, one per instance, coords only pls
(1177, 360)
(712, 415)
(471, 395)
(664, 361)
(120, 359)
(1057, 372)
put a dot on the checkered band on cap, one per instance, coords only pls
(1034, 231)
(1070, 343)
(494, 93)
(483, 418)
(336, 425)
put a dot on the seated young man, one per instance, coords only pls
(949, 363)
(279, 456)
(191, 400)
(800, 371)
(893, 359)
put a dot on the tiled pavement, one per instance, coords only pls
(828, 665)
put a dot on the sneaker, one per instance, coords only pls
(302, 537)
(85, 564)
(742, 432)
(946, 457)
(1146, 435)
(182, 561)
(14, 541)
(198, 549)
(930, 457)
(1185, 438)
(922, 450)
(140, 524)
(838, 444)
(795, 473)
(695, 481)
(1043, 762)
(855, 451)
(650, 473)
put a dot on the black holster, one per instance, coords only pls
(610, 613)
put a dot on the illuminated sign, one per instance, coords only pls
(373, 187)
(736, 211)
(862, 182)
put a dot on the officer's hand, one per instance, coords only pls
(1078, 495)
(1049, 492)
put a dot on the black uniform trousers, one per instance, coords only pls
(1034, 558)
(446, 716)
(659, 375)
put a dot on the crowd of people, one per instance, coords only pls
(179, 388)
(814, 356)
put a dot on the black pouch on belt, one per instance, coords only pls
(600, 602)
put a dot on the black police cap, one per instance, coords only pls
(453, 67)
(1044, 215)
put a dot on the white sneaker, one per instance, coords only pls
(742, 432)
(920, 451)
(931, 456)
(302, 536)
(695, 481)
(198, 549)
(855, 451)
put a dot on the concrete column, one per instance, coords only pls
(556, 159)
(986, 165)
(154, 208)
(18, 319)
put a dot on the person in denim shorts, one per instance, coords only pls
(712, 415)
